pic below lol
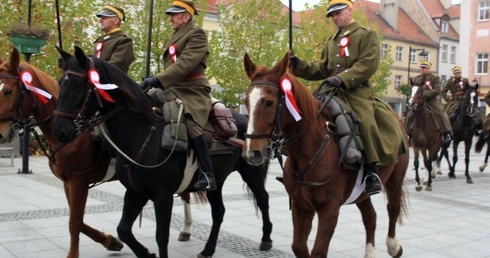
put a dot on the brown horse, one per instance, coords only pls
(314, 181)
(18, 101)
(425, 139)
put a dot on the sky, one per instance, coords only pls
(299, 5)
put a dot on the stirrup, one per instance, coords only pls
(375, 191)
(209, 186)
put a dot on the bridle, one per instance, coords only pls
(277, 141)
(81, 121)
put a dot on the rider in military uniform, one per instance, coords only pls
(351, 56)
(431, 86)
(457, 85)
(114, 46)
(185, 60)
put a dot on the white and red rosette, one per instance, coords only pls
(94, 78)
(428, 85)
(287, 89)
(344, 44)
(98, 49)
(172, 50)
(460, 85)
(26, 78)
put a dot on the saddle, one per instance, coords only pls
(168, 107)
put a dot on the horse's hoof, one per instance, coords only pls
(428, 188)
(204, 256)
(451, 175)
(418, 188)
(400, 253)
(115, 244)
(184, 236)
(265, 246)
(469, 181)
(482, 168)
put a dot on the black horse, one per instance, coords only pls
(148, 171)
(463, 129)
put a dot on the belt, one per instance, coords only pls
(337, 71)
(192, 77)
(459, 93)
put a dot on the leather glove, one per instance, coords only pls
(335, 81)
(150, 82)
(293, 60)
(61, 62)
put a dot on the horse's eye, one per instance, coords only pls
(8, 92)
(269, 103)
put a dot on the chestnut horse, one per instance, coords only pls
(312, 178)
(463, 129)
(18, 101)
(425, 139)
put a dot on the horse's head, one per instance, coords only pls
(23, 88)
(89, 86)
(471, 101)
(275, 101)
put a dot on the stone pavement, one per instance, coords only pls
(451, 221)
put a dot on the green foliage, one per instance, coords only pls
(254, 27)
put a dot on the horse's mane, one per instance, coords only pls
(128, 94)
(47, 82)
(307, 104)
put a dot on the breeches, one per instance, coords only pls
(193, 129)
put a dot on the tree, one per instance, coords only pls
(254, 27)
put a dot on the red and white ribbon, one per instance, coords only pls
(460, 85)
(26, 78)
(94, 78)
(172, 50)
(344, 43)
(428, 85)
(99, 48)
(286, 88)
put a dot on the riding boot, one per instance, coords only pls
(371, 179)
(206, 179)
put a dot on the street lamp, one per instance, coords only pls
(408, 91)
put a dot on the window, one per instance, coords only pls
(399, 53)
(482, 63)
(384, 50)
(483, 10)
(444, 26)
(413, 56)
(444, 54)
(398, 81)
(452, 55)
(427, 56)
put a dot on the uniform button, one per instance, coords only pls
(337, 55)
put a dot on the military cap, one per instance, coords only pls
(456, 69)
(180, 6)
(425, 64)
(111, 11)
(335, 5)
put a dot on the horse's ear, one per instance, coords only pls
(65, 55)
(249, 66)
(81, 57)
(14, 61)
(282, 66)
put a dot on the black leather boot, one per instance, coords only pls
(371, 179)
(206, 181)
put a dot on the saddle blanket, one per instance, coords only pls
(358, 187)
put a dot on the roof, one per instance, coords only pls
(436, 10)
(408, 30)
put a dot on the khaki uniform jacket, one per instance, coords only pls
(382, 144)
(431, 84)
(458, 89)
(117, 49)
(192, 53)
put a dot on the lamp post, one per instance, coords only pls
(407, 92)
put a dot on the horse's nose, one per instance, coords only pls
(254, 157)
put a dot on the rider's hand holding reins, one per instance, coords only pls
(150, 82)
(335, 81)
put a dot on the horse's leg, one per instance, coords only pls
(215, 199)
(418, 187)
(369, 219)
(302, 219)
(428, 158)
(467, 148)
(162, 200)
(185, 232)
(396, 206)
(455, 159)
(133, 205)
(255, 179)
(484, 165)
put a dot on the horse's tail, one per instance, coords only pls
(480, 143)
(404, 202)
